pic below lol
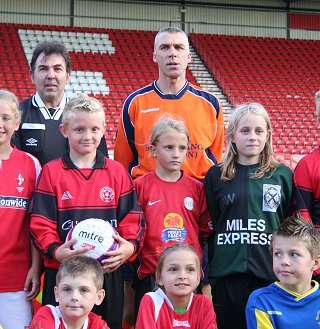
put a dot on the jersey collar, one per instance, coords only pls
(38, 102)
(171, 96)
(100, 161)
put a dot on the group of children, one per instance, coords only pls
(163, 218)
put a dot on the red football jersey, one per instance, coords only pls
(175, 212)
(156, 312)
(50, 317)
(18, 177)
(66, 195)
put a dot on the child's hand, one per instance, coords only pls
(64, 250)
(32, 283)
(119, 256)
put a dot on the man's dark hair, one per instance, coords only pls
(49, 48)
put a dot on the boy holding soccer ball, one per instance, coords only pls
(78, 288)
(84, 184)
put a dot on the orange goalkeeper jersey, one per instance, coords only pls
(201, 112)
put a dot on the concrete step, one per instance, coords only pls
(206, 81)
(196, 61)
(197, 66)
(203, 76)
(215, 89)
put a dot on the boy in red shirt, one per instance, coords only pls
(84, 184)
(78, 289)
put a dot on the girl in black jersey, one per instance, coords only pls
(248, 196)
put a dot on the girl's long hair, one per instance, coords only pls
(267, 163)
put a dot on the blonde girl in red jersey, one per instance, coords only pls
(19, 261)
(174, 304)
(173, 203)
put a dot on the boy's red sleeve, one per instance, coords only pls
(302, 196)
(43, 223)
(131, 223)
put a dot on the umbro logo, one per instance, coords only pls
(31, 142)
(66, 196)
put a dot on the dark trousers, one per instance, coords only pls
(112, 306)
(230, 295)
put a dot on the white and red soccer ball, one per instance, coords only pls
(96, 234)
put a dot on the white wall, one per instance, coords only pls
(236, 22)
(134, 15)
(126, 16)
(50, 12)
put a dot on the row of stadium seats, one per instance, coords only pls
(255, 42)
(279, 73)
(110, 64)
(102, 62)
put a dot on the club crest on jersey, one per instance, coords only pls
(188, 203)
(174, 230)
(106, 194)
(20, 180)
(271, 197)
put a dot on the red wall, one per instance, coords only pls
(305, 21)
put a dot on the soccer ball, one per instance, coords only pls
(96, 234)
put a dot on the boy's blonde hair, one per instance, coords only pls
(81, 266)
(298, 227)
(266, 162)
(13, 102)
(317, 97)
(81, 103)
(165, 124)
(169, 250)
